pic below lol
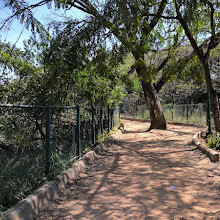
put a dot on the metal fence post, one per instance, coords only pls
(93, 126)
(172, 110)
(78, 144)
(200, 107)
(112, 118)
(113, 114)
(187, 113)
(47, 163)
(124, 108)
(208, 114)
(108, 118)
(119, 117)
(101, 121)
(142, 109)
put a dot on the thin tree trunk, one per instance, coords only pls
(214, 41)
(213, 96)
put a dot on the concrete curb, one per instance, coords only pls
(27, 208)
(212, 154)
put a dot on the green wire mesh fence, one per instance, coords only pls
(137, 111)
(22, 156)
(186, 113)
(38, 142)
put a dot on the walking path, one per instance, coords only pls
(144, 175)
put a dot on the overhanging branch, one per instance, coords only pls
(161, 16)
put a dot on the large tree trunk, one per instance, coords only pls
(213, 95)
(151, 96)
(153, 103)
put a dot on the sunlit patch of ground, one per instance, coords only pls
(144, 175)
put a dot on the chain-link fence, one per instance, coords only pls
(186, 113)
(135, 110)
(37, 142)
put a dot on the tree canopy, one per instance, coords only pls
(154, 32)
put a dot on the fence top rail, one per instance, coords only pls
(20, 106)
(35, 106)
(63, 107)
(184, 105)
(51, 106)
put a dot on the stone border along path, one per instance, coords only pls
(200, 143)
(27, 208)
(143, 175)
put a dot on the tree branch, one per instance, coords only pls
(83, 5)
(162, 81)
(212, 28)
(20, 11)
(161, 16)
(187, 31)
(156, 18)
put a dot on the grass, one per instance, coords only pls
(20, 174)
(23, 172)
(176, 115)
(142, 112)
(194, 118)
(105, 134)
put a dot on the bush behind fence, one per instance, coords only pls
(37, 142)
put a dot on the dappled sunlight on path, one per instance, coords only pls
(144, 175)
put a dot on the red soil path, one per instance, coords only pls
(144, 175)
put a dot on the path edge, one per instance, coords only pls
(197, 140)
(27, 208)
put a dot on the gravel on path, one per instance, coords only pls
(144, 175)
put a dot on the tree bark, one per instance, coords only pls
(155, 109)
(153, 103)
(203, 57)
(213, 95)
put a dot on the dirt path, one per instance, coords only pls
(144, 175)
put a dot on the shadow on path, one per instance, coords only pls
(142, 176)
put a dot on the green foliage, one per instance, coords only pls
(22, 166)
(19, 176)
(183, 92)
(142, 112)
(194, 71)
(22, 11)
(213, 141)
(54, 79)
(22, 173)
(116, 96)
(13, 60)
(60, 81)
(148, 73)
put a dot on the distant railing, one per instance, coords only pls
(37, 142)
(185, 113)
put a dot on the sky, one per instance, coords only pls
(43, 14)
